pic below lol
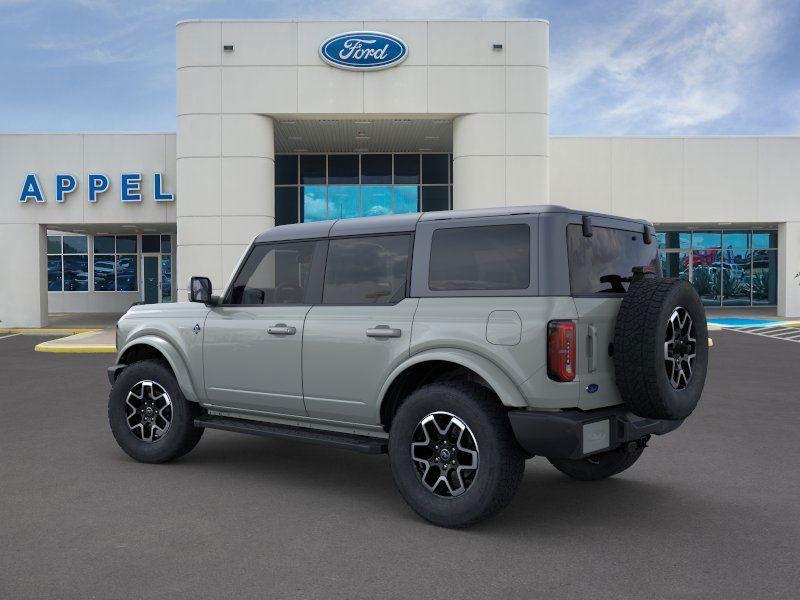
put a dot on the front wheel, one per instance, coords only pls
(453, 455)
(149, 417)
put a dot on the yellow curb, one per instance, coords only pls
(44, 347)
(46, 331)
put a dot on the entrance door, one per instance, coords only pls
(157, 278)
(152, 279)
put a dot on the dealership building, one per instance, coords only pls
(290, 121)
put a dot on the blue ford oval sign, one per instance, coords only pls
(363, 50)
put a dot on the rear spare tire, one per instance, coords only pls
(661, 348)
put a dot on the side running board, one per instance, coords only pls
(347, 441)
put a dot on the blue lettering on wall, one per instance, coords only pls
(131, 188)
(31, 190)
(158, 195)
(363, 50)
(65, 184)
(98, 183)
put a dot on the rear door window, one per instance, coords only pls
(490, 257)
(367, 270)
(604, 262)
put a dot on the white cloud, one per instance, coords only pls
(671, 68)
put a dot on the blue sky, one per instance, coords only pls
(671, 67)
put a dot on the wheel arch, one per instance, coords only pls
(154, 347)
(431, 365)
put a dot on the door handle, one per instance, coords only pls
(592, 362)
(282, 329)
(383, 331)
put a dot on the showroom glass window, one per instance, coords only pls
(316, 187)
(67, 263)
(166, 267)
(115, 264)
(728, 267)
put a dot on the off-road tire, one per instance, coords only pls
(501, 461)
(639, 348)
(598, 466)
(180, 437)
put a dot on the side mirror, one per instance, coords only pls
(200, 290)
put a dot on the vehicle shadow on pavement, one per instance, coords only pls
(548, 503)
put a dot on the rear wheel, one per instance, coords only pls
(600, 466)
(454, 457)
(149, 417)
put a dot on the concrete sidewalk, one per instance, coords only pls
(83, 320)
(83, 333)
(90, 342)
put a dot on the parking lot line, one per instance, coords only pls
(790, 334)
(2, 337)
(786, 334)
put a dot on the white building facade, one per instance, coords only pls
(287, 121)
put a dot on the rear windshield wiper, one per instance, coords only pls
(616, 281)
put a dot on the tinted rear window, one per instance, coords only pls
(491, 257)
(600, 263)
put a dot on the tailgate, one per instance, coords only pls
(595, 368)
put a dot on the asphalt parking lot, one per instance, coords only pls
(710, 511)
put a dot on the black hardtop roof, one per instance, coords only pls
(408, 222)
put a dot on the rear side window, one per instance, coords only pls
(274, 274)
(604, 263)
(490, 257)
(366, 270)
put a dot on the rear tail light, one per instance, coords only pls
(561, 350)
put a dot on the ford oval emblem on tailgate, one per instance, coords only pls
(363, 50)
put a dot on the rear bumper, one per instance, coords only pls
(578, 433)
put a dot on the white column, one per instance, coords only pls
(500, 160)
(788, 266)
(226, 178)
(23, 276)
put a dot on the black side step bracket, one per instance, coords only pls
(347, 441)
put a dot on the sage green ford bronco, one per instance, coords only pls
(462, 343)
